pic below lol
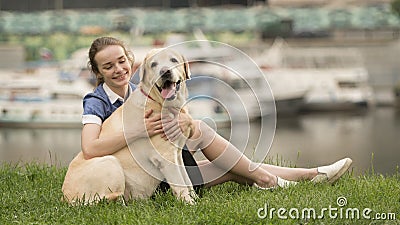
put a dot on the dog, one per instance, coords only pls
(135, 171)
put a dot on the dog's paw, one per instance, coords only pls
(190, 201)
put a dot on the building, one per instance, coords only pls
(37, 5)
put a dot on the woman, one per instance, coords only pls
(111, 62)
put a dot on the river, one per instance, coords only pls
(371, 138)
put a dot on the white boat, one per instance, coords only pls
(41, 114)
(226, 85)
(289, 96)
(335, 78)
(235, 90)
(288, 101)
(41, 99)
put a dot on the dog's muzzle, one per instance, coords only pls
(169, 88)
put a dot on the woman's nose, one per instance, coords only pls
(118, 68)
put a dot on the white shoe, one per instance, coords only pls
(280, 183)
(332, 172)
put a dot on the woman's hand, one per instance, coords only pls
(169, 128)
(173, 127)
(153, 124)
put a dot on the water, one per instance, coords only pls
(52, 146)
(370, 138)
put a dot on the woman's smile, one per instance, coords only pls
(121, 77)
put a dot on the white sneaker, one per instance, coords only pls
(332, 172)
(280, 183)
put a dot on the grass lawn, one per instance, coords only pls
(31, 194)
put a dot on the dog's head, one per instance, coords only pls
(166, 70)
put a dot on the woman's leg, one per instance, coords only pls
(294, 174)
(228, 158)
(209, 171)
(236, 166)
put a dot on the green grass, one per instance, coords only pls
(31, 194)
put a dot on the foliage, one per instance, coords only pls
(31, 194)
(395, 4)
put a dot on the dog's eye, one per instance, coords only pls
(153, 64)
(174, 60)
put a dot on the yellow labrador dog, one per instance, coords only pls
(136, 170)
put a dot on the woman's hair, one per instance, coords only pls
(98, 45)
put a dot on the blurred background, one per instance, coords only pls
(332, 66)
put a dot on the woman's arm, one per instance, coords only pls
(173, 127)
(93, 146)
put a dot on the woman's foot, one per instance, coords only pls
(280, 182)
(333, 172)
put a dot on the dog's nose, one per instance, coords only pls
(165, 71)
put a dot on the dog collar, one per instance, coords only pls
(145, 94)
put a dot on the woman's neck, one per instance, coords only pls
(120, 91)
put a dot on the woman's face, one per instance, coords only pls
(114, 66)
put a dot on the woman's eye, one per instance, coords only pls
(153, 64)
(174, 60)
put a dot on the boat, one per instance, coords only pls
(235, 91)
(54, 114)
(290, 102)
(41, 99)
(335, 78)
(289, 96)
(225, 84)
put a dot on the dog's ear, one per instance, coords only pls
(186, 67)
(149, 55)
(142, 69)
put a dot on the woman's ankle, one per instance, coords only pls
(267, 181)
(313, 173)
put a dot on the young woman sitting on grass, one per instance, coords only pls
(111, 62)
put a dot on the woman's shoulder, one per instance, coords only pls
(97, 103)
(97, 97)
(97, 94)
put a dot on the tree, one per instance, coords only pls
(396, 7)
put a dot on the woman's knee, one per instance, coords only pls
(202, 137)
